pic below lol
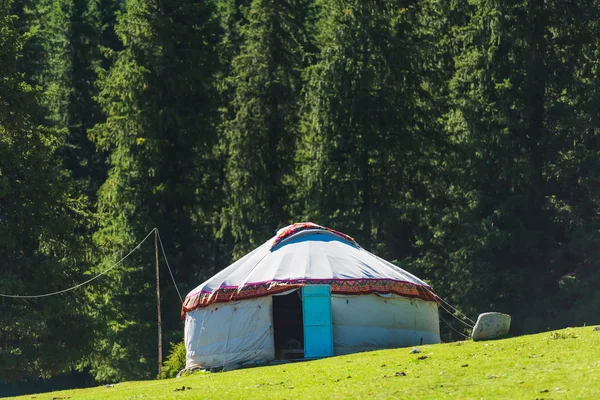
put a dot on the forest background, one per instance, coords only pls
(459, 139)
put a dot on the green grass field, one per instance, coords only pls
(561, 364)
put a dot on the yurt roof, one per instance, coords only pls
(304, 254)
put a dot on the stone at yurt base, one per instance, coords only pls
(491, 325)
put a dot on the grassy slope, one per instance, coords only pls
(563, 364)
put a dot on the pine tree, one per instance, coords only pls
(518, 118)
(365, 133)
(39, 214)
(62, 57)
(46, 61)
(160, 102)
(260, 135)
(91, 35)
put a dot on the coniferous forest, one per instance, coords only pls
(459, 139)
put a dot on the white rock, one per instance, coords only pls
(491, 325)
(415, 351)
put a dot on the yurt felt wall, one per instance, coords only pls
(370, 321)
(225, 334)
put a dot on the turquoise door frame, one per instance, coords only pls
(316, 311)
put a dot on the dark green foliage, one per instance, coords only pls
(39, 214)
(523, 132)
(62, 57)
(91, 34)
(366, 133)
(160, 103)
(261, 133)
(459, 139)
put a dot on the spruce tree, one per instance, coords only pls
(62, 57)
(90, 37)
(260, 135)
(160, 102)
(40, 217)
(518, 118)
(364, 128)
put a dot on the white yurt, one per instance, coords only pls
(308, 292)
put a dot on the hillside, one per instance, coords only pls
(458, 140)
(562, 364)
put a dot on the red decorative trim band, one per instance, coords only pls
(338, 286)
(302, 226)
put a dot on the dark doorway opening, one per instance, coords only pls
(288, 328)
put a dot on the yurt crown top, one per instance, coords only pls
(296, 228)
